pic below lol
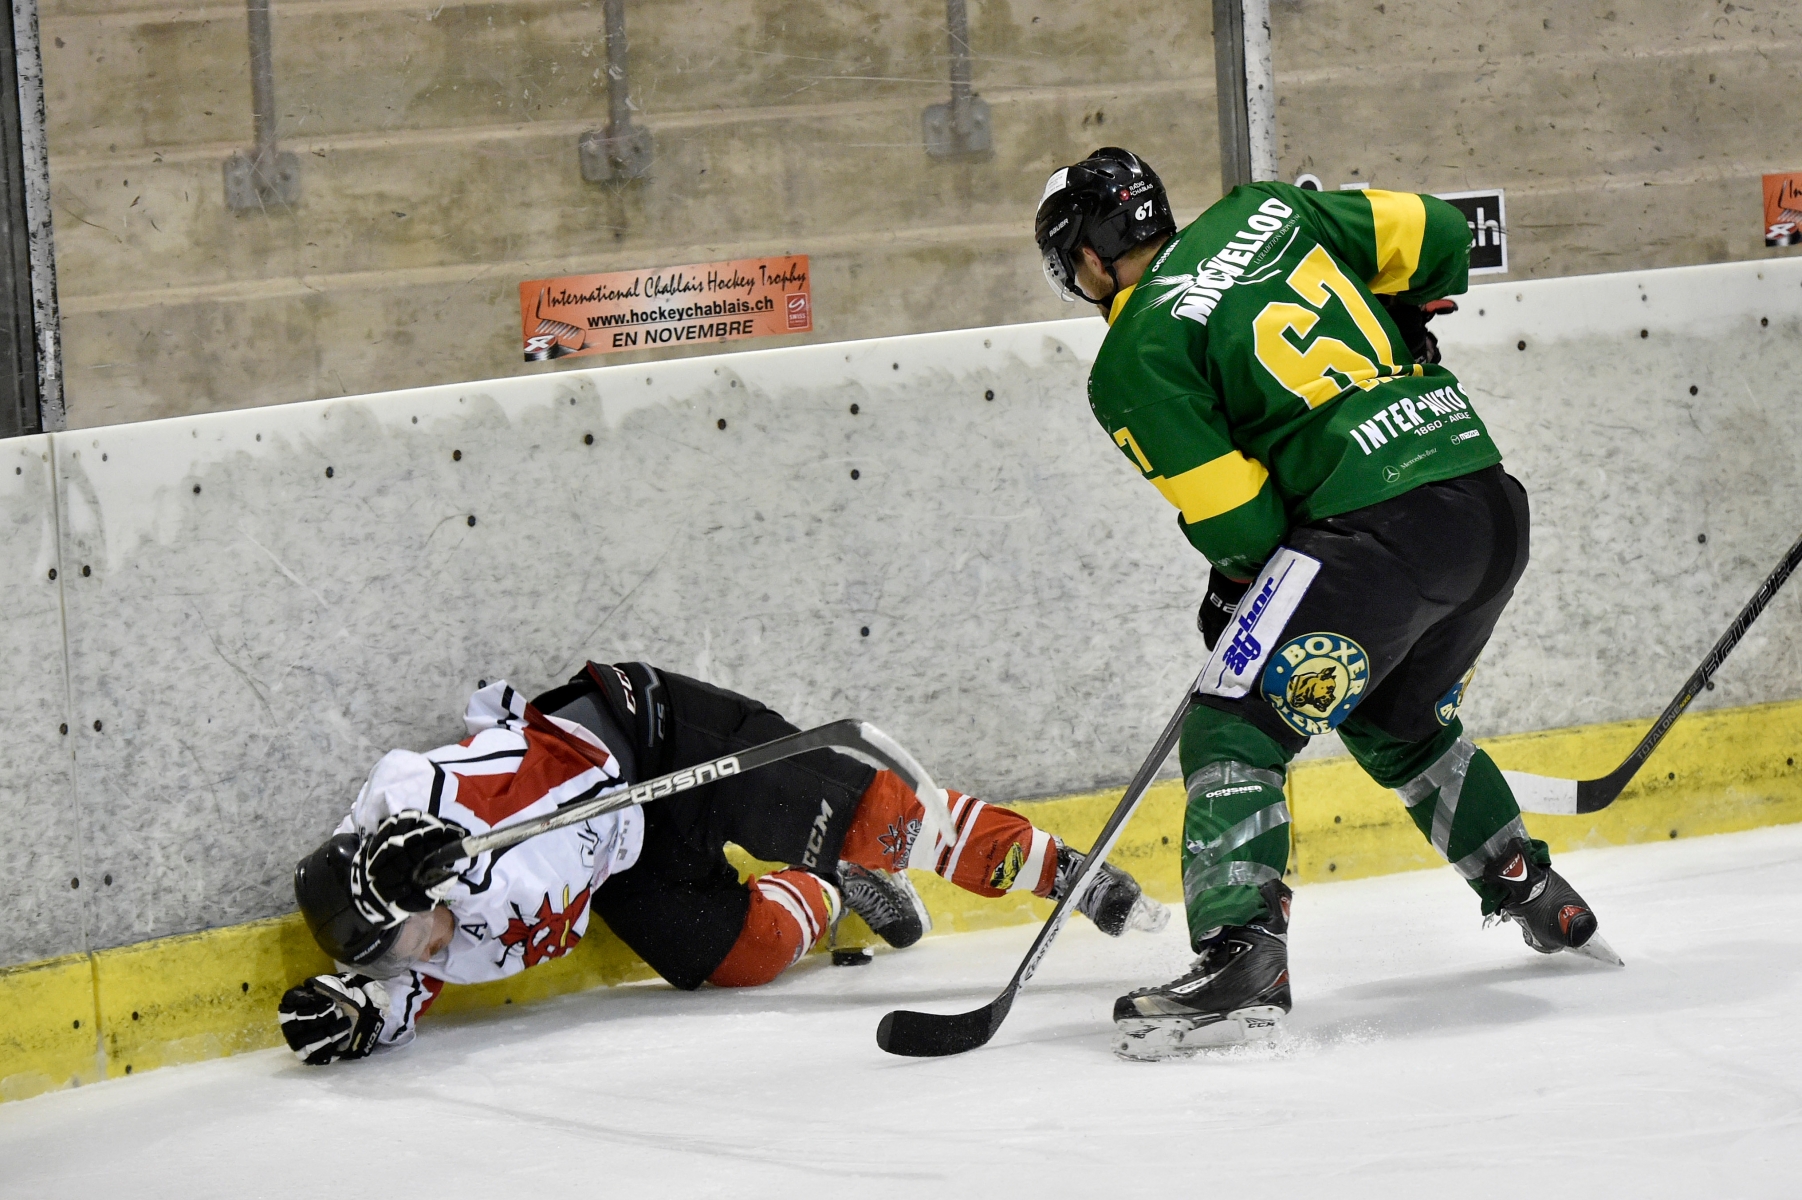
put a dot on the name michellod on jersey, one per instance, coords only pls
(522, 905)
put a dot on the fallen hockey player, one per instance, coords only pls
(657, 874)
(1269, 370)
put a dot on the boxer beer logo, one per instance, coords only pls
(1448, 705)
(1314, 689)
(1315, 680)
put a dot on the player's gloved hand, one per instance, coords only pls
(1219, 605)
(381, 875)
(333, 1016)
(1411, 320)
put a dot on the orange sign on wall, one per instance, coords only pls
(1783, 209)
(665, 306)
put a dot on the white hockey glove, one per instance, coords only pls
(381, 875)
(333, 1016)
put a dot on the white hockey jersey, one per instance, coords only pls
(528, 903)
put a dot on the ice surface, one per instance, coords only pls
(1426, 1056)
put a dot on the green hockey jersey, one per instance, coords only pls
(1253, 380)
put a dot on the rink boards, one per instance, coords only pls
(216, 624)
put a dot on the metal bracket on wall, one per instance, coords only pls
(266, 175)
(960, 129)
(619, 152)
(33, 396)
(1245, 91)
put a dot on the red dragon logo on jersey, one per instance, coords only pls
(551, 935)
(898, 842)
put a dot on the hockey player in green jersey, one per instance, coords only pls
(1269, 370)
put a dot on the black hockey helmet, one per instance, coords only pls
(1111, 201)
(322, 889)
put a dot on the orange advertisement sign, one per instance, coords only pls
(665, 306)
(1783, 209)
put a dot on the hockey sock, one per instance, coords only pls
(996, 850)
(790, 911)
(885, 825)
(1455, 794)
(1236, 823)
(993, 850)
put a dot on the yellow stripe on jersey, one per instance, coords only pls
(1214, 487)
(1400, 219)
(1120, 299)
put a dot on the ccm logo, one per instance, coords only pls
(681, 781)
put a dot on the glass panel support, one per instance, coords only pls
(619, 152)
(960, 129)
(265, 176)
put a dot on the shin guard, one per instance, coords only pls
(1458, 799)
(1235, 840)
(790, 911)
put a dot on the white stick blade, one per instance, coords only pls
(938, 829)
(1543, 793)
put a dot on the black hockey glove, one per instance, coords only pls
(1411, 320)
(333, 1016)
(1219, 605)
(381, 875)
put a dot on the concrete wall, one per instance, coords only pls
(252, 606)
(438, 161)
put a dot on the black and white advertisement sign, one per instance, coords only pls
(1488, 228)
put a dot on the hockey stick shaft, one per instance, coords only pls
(932, 1035)
(859, 738)
(1539, 793)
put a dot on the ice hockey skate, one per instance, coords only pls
(1114, 901)
(1237, 991)
(1550, 913)
(886, 901)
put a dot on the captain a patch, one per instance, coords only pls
(1315, 680)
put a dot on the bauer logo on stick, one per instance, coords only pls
(1315, 680)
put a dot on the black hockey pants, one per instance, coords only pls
(1379, 649)
(681, 907)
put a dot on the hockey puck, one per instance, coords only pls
(851, 958)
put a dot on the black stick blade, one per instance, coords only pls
(935, 1035)
(1593, 795)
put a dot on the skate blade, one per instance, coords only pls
(1151, 1039)
(1598, 948)
(1148, 916)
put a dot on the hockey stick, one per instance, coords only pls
(1568, 797)
(933, 1035)
(859, 738)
